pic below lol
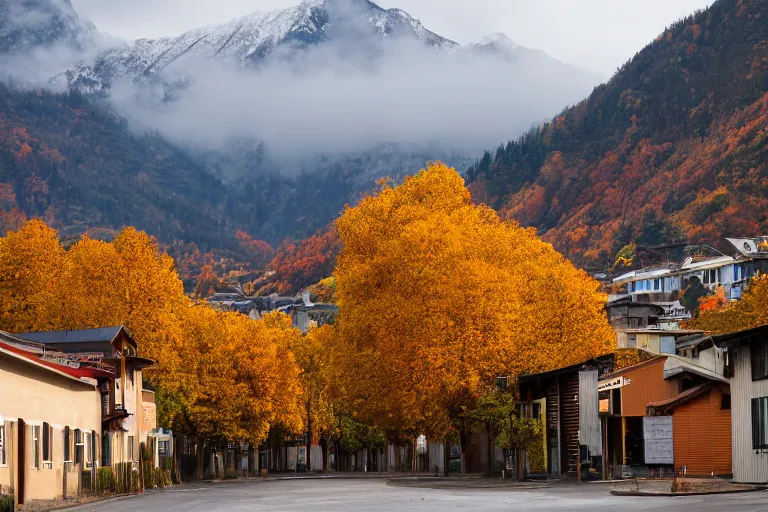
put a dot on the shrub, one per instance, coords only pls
(106, 479)
(230, 475)
(161, 477)
(6, 503)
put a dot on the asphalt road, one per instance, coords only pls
(339, 494)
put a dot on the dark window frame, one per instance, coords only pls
(759, 420)
(759, 360)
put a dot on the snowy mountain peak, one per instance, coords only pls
(499, 40)
(26, 24)
(251, 39)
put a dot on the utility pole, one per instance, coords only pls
(578, 456)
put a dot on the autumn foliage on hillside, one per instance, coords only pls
(218, 375)
(439, 297)
(674, 146)
(298, 265)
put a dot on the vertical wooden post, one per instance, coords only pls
(624, 440)
(605, 448)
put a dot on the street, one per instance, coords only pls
(353, 494)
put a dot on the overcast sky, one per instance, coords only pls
(597, 35)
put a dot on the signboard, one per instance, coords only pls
(301, 456)
(616, 382)
(604, 405)
(657, 438)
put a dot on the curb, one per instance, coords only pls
(677, 494)
(95, 502)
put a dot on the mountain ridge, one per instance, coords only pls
(673, 145)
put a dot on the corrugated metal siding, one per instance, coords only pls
(722, 459)
(589, 419)
(702, 435)
(569, 420)
(748, 466)
(648, 385)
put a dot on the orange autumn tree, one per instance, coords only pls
(218, 375)
(438, 297)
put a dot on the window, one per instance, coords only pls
(760, 423)
(36, 447)
(130, 448)
(657, 284)
(725, 404)
(759, 353)
(87, 447)
(2, 444)
(47, 444)
(163, 448)
(78, 446)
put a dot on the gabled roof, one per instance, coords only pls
(22, 356)
(595, 361)
(654, 359)
(108, 334)
(671, 403)
(677, 365)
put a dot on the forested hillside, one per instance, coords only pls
(673, 146)
(78, 166)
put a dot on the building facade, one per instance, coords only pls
(72, 402)
(747, 369)
(50, 427)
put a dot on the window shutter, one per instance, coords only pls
(66, 444)
(93, 447)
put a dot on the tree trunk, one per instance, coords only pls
(309, 435)
(324, 449)
(463, 446)
(413, 454)
(446, 457)
(199, 449)
(490, 450)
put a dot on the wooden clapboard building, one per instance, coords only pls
(567, 400)
(633, 413)
(666, 415)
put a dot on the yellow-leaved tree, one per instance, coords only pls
(218, 376)
(438, 297)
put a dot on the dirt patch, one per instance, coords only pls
(681, 487)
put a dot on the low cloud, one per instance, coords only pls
(336, 101)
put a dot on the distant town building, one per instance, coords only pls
(664, 285)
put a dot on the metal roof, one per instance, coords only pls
(79, 336)
(741, 337)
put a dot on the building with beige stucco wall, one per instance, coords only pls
(50, 425)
